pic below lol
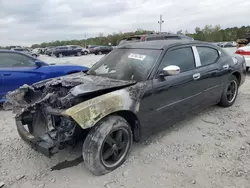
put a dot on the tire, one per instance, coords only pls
(247, 69)
(100, 150)
(100, 53)
(79, 54)
(227, 101)
(85, 53)
(60, 55)
(34, 55)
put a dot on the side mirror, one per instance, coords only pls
(170, 70)
(38, 63)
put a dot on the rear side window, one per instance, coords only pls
(182, 57)
(207, 55)
(8, 60)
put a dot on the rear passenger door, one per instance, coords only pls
(212, 73)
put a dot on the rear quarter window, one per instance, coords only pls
(207, 55)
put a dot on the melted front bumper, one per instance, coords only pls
(46, 147)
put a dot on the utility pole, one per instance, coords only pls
(160, 22)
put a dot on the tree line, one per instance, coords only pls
(208, 33)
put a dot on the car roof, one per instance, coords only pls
(9, 51)
(160, 44)
(13, 51)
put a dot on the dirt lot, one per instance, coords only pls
(210, 149)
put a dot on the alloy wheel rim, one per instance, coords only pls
(115, 147)
(232, 91)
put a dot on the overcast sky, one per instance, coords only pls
(26, 22)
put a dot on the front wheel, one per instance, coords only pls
(107, 145)
(230, 92)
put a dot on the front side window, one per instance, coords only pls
(126, 64)
(207, 55)
(8, 60)
(182, 57)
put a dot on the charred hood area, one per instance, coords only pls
(62, 92)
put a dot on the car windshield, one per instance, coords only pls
(126, 64)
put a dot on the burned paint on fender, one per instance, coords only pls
(88, 113)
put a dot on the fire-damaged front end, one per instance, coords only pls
(52, 114)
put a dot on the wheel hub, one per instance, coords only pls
(232, 91)
(115, 147)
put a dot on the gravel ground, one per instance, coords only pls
(210, 149)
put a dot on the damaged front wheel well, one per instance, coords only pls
(133, 121)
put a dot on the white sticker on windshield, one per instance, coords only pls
(137, 56)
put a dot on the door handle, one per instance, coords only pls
(7, 74)
(225, 67)
(196, 76)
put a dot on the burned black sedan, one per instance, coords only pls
(123, 97)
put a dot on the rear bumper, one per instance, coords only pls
(45, 147)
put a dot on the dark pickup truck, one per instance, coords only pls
(69, 51)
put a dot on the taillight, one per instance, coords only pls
(242, 52)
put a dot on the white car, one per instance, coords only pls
(25, 51)
(245, 51)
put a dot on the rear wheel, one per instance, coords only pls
(230, 92)
(100, 53)
(79, 54)
(85, 53)
(60, 55)
(107, 145)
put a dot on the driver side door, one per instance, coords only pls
(180, 93)
(16, 70)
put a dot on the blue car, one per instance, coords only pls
(17, 69)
